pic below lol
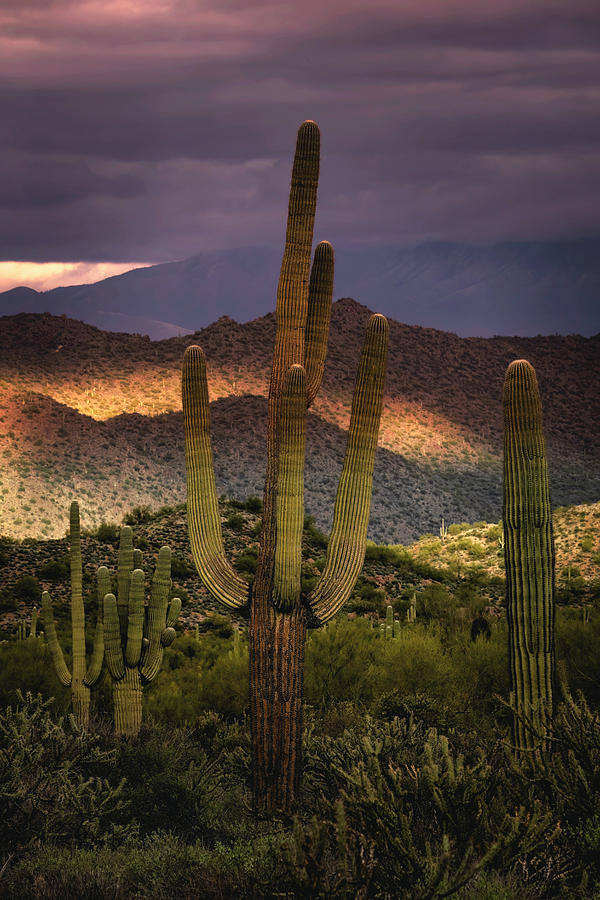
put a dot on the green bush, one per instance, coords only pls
(49, 789)
(235, 522)
(54, 569)
(107, 533)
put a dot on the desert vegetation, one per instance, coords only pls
(451, 739)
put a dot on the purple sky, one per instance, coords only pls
(150, 131)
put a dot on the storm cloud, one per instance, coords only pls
(153, 130)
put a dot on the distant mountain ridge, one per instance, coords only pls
(96, 416)
(470, 290)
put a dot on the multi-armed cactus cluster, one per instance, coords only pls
(279, 613)
(136, 633)
(22, 634)
(529, 556)
(142, 629)
(83, 676)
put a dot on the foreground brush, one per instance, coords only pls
(279, 613)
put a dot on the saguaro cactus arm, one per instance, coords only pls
(162, 615)
(124, 569)
(135, 619)
(320, 296)
(204, 522)
(348, 539)
(95, 667)
(168, 635)
(112, 639)
(55, 649)
(290, 491)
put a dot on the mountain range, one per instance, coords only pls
(504, 289)
(96, 416)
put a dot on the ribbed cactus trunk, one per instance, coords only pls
(276, 639)
(127, 703)
(80, 692)
(529, 557)
(279, 614)
(82, 677)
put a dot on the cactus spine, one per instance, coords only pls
(529, 556)
(279, 615)
(82, 677)
(136, 634)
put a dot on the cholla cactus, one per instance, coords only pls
(136, 633)
(279, 613)
(528, 555)
(83, 676)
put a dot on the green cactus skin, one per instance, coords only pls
(278, 614)
(135, 633)
(82, 678)
(529, 557)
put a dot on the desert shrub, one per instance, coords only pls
(49, 788)
(107, 533)
(412, 664)
(139, 515)
(247, 560)
(254, 505)
(433, 813)
(338, 662)
(180, 568)
(27, 589)
(160, 867)
(27, 666)
(314, 535)
(54, 569)
(235, 522)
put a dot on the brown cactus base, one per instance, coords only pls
(276, 644)
(80, 698)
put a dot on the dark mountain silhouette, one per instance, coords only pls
(508, 288)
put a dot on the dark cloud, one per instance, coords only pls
(152, 130)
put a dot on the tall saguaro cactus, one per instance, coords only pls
(529, 556)
(136, 634)
(279, 613)
(83, 676)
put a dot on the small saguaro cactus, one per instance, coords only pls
(136, 632)
(22, 627)
(392, 627)
(279, 614)
(411, 612)
(443, 531)
(529, 557)
(83, 677)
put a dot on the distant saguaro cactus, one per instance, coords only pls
(83, 676)
(279, 613)
(135, 633)
(529, 556)
(22, 627)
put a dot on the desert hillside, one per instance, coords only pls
(96, 415)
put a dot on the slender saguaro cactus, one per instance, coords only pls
(529, 556)
(83, 676)
(136, 634)
(279, 613)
